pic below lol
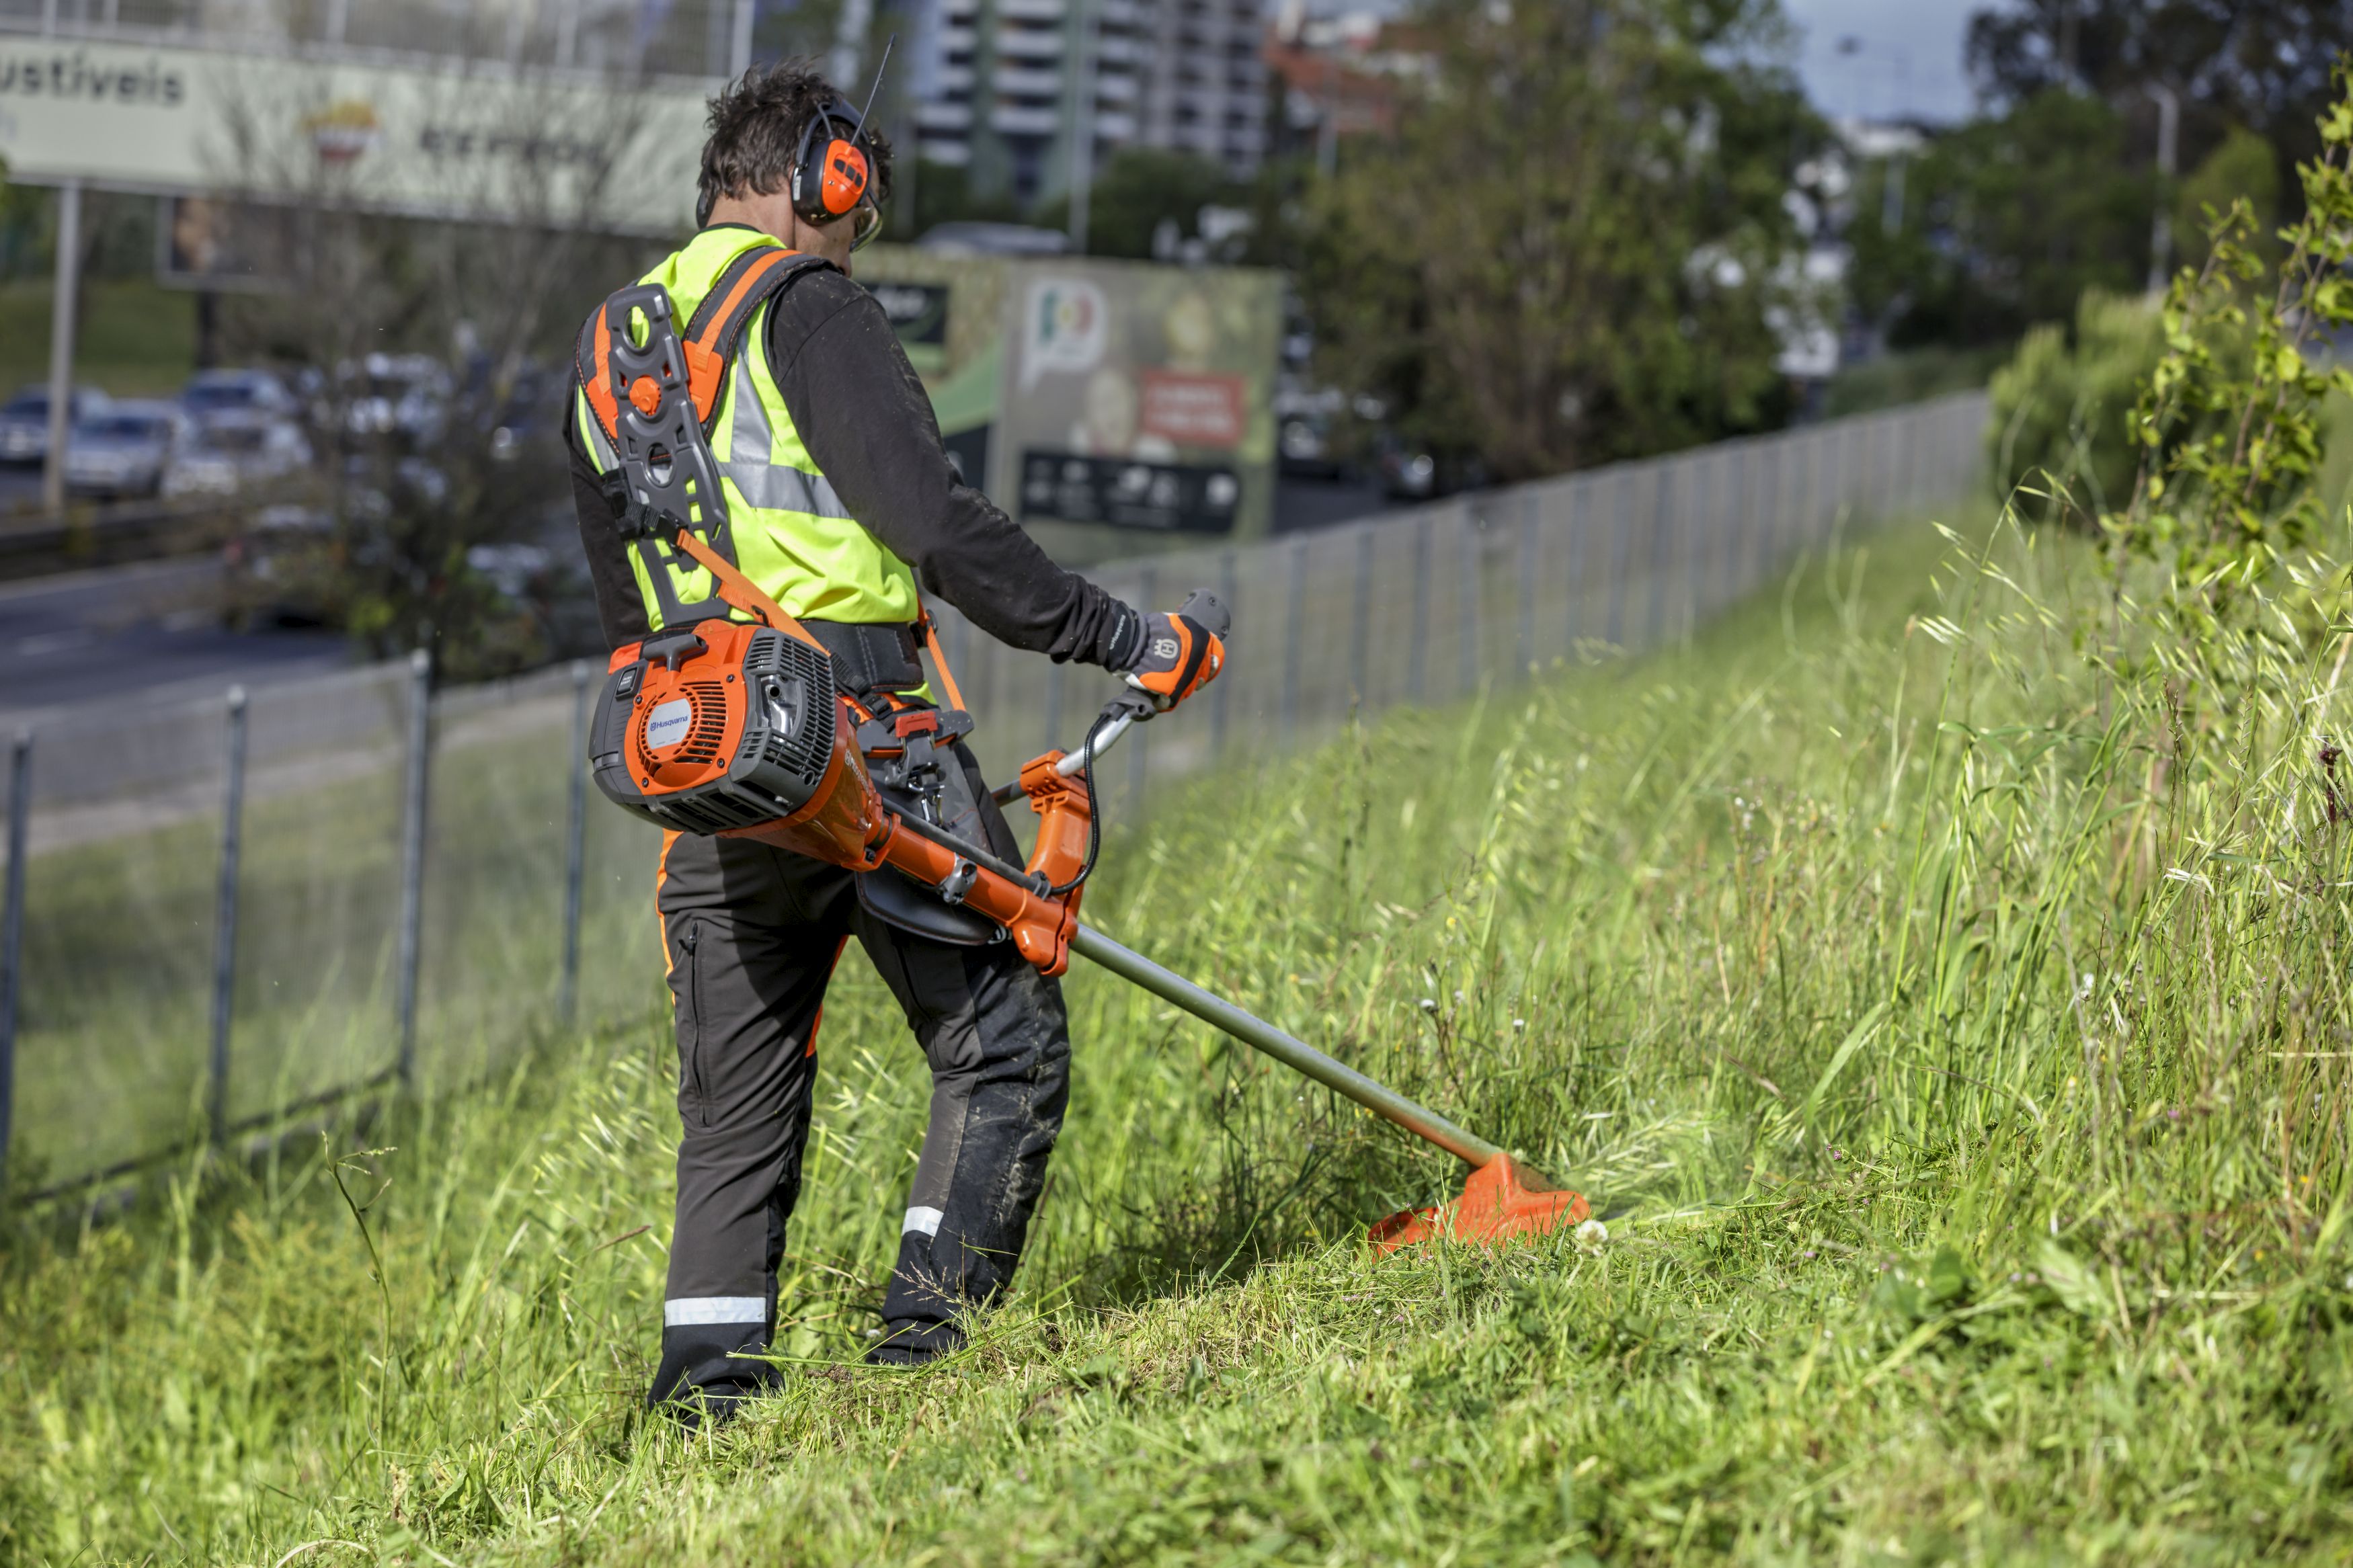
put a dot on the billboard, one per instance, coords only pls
(1107, 405)
(1138, 399)
(469, 140)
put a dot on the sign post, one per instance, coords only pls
(62, 310)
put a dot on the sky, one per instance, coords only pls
(1908, 65)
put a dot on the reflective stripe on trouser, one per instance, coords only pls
(751, 934)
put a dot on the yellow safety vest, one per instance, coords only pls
(793, 536)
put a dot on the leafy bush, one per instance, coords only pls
(2062, 408)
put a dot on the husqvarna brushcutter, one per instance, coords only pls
(722, 727)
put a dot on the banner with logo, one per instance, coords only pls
(474, 140)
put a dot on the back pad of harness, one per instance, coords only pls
(671, 480)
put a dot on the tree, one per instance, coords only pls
(2262, 64)
(1566, 251)
(436, 352)
(2008, 221)
(1139, 189)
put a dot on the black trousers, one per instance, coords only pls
(753, 934)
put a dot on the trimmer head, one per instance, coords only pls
(1496, 1205)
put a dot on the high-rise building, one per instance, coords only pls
(1002, 87)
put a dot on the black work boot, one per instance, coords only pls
(704, 1377)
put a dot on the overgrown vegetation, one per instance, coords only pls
(1935, 974)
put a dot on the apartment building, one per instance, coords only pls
(1003, 86)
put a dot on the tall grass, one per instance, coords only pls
(1952, 1035)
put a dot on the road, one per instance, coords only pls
(132, 636)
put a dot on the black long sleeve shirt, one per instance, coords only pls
(863, 412)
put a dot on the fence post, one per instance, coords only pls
(575, 846)
(1360, 630)
(1471, 595)
(225, 920)
(1147, 593)
(1527, 581)
(1417, 640)
(412, 855)
(12, 932)
(1222, 690)
(1292, 633)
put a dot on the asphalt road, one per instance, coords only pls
(132, 636)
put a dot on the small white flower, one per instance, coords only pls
(1591, 1234)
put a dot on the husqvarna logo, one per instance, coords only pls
(666, 725)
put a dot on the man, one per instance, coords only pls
(841, 500)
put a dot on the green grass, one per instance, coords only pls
(138, 338)
(1957, 1046)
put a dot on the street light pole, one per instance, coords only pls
(2160, 236)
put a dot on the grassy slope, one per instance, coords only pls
(137, 338)
(1974, 1186)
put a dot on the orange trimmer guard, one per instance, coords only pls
(1496, 1205)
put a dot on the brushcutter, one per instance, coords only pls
(727, 728)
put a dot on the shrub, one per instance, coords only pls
(2062, 408)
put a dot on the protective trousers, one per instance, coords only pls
(753, 934)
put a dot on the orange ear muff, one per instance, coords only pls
(844, 184)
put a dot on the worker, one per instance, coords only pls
(842, 504)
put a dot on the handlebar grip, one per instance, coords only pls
(1210, 611)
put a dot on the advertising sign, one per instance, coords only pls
(470, 140)
(1137, 399)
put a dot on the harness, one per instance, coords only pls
(656, 398)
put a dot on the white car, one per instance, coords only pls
(124, 448)
(24, 420)
(234, 451)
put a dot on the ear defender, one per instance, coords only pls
(844, 184)
(830, 186)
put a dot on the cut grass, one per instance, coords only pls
(1957, 1055)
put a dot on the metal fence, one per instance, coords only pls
(220, 913)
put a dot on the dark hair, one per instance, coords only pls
(755, 126)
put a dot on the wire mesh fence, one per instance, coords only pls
(220, 913)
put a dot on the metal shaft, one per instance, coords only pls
(1294, 1054)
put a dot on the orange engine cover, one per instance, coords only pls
(724, 727)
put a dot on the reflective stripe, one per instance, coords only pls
(600, 451)
(926, 1220)
(686, 1311)
(770, 486)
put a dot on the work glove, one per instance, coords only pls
(1181, 651)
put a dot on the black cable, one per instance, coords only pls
(1094, 809)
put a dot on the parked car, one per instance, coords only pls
(231, 451)
(124, 448)
(25, 421)
(213, 393)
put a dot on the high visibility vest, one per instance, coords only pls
(793, 536)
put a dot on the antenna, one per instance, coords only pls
(880, 66)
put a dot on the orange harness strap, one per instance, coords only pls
(940, 661)
(742, 592)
